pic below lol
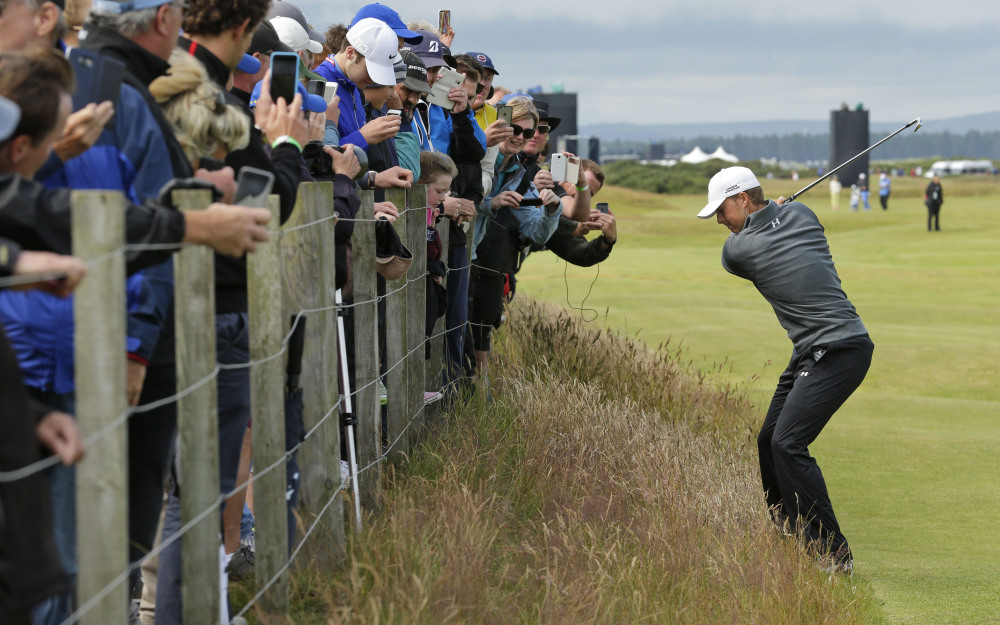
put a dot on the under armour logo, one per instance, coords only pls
(775, 223)
(804, 374)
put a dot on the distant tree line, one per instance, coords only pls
(809, 147)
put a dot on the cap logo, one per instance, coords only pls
(481, 58)
(732, 188)
(432, 46)
(362, 47)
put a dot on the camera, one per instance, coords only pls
(320, 164)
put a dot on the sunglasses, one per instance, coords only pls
(543, 129)
(528, 132)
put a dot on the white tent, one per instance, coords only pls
(695, 156)
(721, 154)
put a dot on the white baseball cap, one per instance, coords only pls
(294, 36)
(727, 183)
(379, 44)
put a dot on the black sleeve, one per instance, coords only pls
(39, 219)
(576, 249)
(465, 147)
(283, 162)
(346, 202)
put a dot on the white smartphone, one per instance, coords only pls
(558, 166)
(573, 168)
(447, 78)
(329, 91)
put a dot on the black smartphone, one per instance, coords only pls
(252, 187)
(316, 87)
(109, 84)
(284, 74)
(505, 113)
(531, 201)
(603, 207)
(444, 21)
(98, 78)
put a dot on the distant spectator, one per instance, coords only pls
(884, 188)
(835, 188)
(933, 199)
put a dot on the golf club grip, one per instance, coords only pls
(296, 345)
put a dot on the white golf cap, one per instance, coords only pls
(294, 36)
(727, 183)
(379, 44)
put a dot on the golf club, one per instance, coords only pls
(918, 122)
(346, 382)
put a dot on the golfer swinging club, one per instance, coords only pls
(782, 249)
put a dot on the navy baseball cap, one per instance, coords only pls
(485, 60)
(385, 14)
(10, 115)
(430, 50)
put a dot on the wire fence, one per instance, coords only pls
(307, 237)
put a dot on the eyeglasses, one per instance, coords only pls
(528, 132)
(543, 129)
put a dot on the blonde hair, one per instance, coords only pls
(523, 106)
(434, 164)
(196, 109)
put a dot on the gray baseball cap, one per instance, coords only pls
(411, 72)
(10, 115)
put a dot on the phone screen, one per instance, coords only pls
(253, 187)
(284, 73)
(531, 201)
(444, 22)
(316, 87)
(603, 207)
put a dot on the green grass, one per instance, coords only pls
(910, 459)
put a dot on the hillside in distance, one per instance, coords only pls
(983, 122)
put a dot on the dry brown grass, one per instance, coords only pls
(604, 484)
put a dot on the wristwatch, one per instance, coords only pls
(610, 244)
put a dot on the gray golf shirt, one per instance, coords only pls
(784, 252)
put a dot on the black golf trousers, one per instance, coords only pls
(812, 388)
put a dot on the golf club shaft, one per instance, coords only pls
(848, 162)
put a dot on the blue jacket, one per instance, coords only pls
(40, 326)
(533, 222)
(450, 134)
(352, 105)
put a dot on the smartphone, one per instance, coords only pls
(252, 187)
(447, 78)
(505, 113)
(573, 168)
(531, 201)
(316, 87)
(98, 78)
(444, 22)
(284, 74)
(397, 112)
(603, 207)
(329, 90)
(557, 167)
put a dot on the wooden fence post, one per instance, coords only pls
(267, 409)
(99, 315)
(416, 239)
(367, 408)
(197, 420)
(308, 276)
(395, 342)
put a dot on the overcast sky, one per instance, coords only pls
(656, 61)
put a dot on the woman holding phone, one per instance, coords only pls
(515, 209)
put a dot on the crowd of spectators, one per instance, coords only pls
(193, 110)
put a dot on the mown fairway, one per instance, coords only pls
(910, 460)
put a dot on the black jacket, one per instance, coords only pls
(29, 561)
(40, 219)
(284, 162)
(576, 249)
